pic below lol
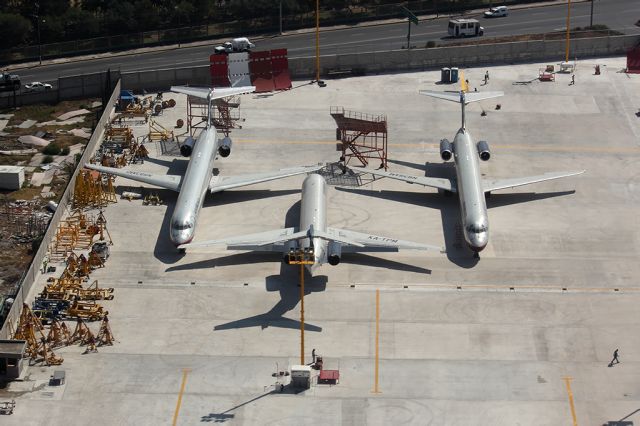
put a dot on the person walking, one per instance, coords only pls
(486, 77)
(573, 79)
(615, 359)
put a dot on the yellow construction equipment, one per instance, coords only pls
(89, 311)
(59, 334)
(122, 136)
(152, 200)
(31, 330)
(105, 336)
(81, 333)
(158, 133)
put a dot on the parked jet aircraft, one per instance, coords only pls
(326, 244)
(469, 184)
(192, 187)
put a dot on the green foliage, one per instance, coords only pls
(65, 151)
(14, 30)
(48, 159)
(51, 149)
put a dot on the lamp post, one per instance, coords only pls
(37, 16)
(317, 40)
(177, 9)
(280, 17)
(591, 18)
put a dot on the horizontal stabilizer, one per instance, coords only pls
(171, 182)
(496, 184)
(332, 236)
(221, 183)
(440, 183)
(217, 93)
(259, 241)
(376, 243)
(460, 97)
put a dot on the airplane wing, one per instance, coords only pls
(496, 184)
(440, 183)
(171, 182)
(217, 93)
(376, 243)
(261, 241)
(221, 183)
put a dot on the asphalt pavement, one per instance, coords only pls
(616, 14)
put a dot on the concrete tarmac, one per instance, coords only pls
(200, 336)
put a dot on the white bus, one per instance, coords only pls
(464, 27)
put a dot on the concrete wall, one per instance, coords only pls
(157, 80)
(34, 269)
(65, 89)
(463, 56)
(403, 60)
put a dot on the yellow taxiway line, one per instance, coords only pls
(185, 372)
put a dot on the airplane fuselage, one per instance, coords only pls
(473, 207)
(194, 187)
(313, 213)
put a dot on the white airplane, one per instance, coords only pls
(198, 179)
(469, 184)
(325, 244)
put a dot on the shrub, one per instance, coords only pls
(65, 151)
(48, 159)
(51, 149)
(430, 44)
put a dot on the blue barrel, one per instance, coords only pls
(454, 75)
(445, 75)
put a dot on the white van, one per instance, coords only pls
(496, 12)
(464, 28)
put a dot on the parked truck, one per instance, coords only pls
(239, 44)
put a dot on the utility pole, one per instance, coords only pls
(566, 58)
(591, 18)
(317, 40)
(280, 17)
(37, 16)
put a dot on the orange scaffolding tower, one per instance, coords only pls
(362, 135)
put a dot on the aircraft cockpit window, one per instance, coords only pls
(477, 228)
(182, 226)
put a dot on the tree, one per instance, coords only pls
(79, 24)
(14, 30)
(120, 18)
(151, 12)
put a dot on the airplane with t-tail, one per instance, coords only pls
(313, 236)
(469, 183)
(198, 178)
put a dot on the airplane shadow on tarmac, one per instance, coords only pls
(286, 282)
(457, 251)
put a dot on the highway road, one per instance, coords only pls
(616, 14)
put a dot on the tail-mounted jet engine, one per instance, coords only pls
(225, 147)
(483, 150)
(187, 146)
(334, 250)
(446, 150)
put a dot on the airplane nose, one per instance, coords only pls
(477, 242)
(181, 237)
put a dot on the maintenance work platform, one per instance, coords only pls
(521, 336)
